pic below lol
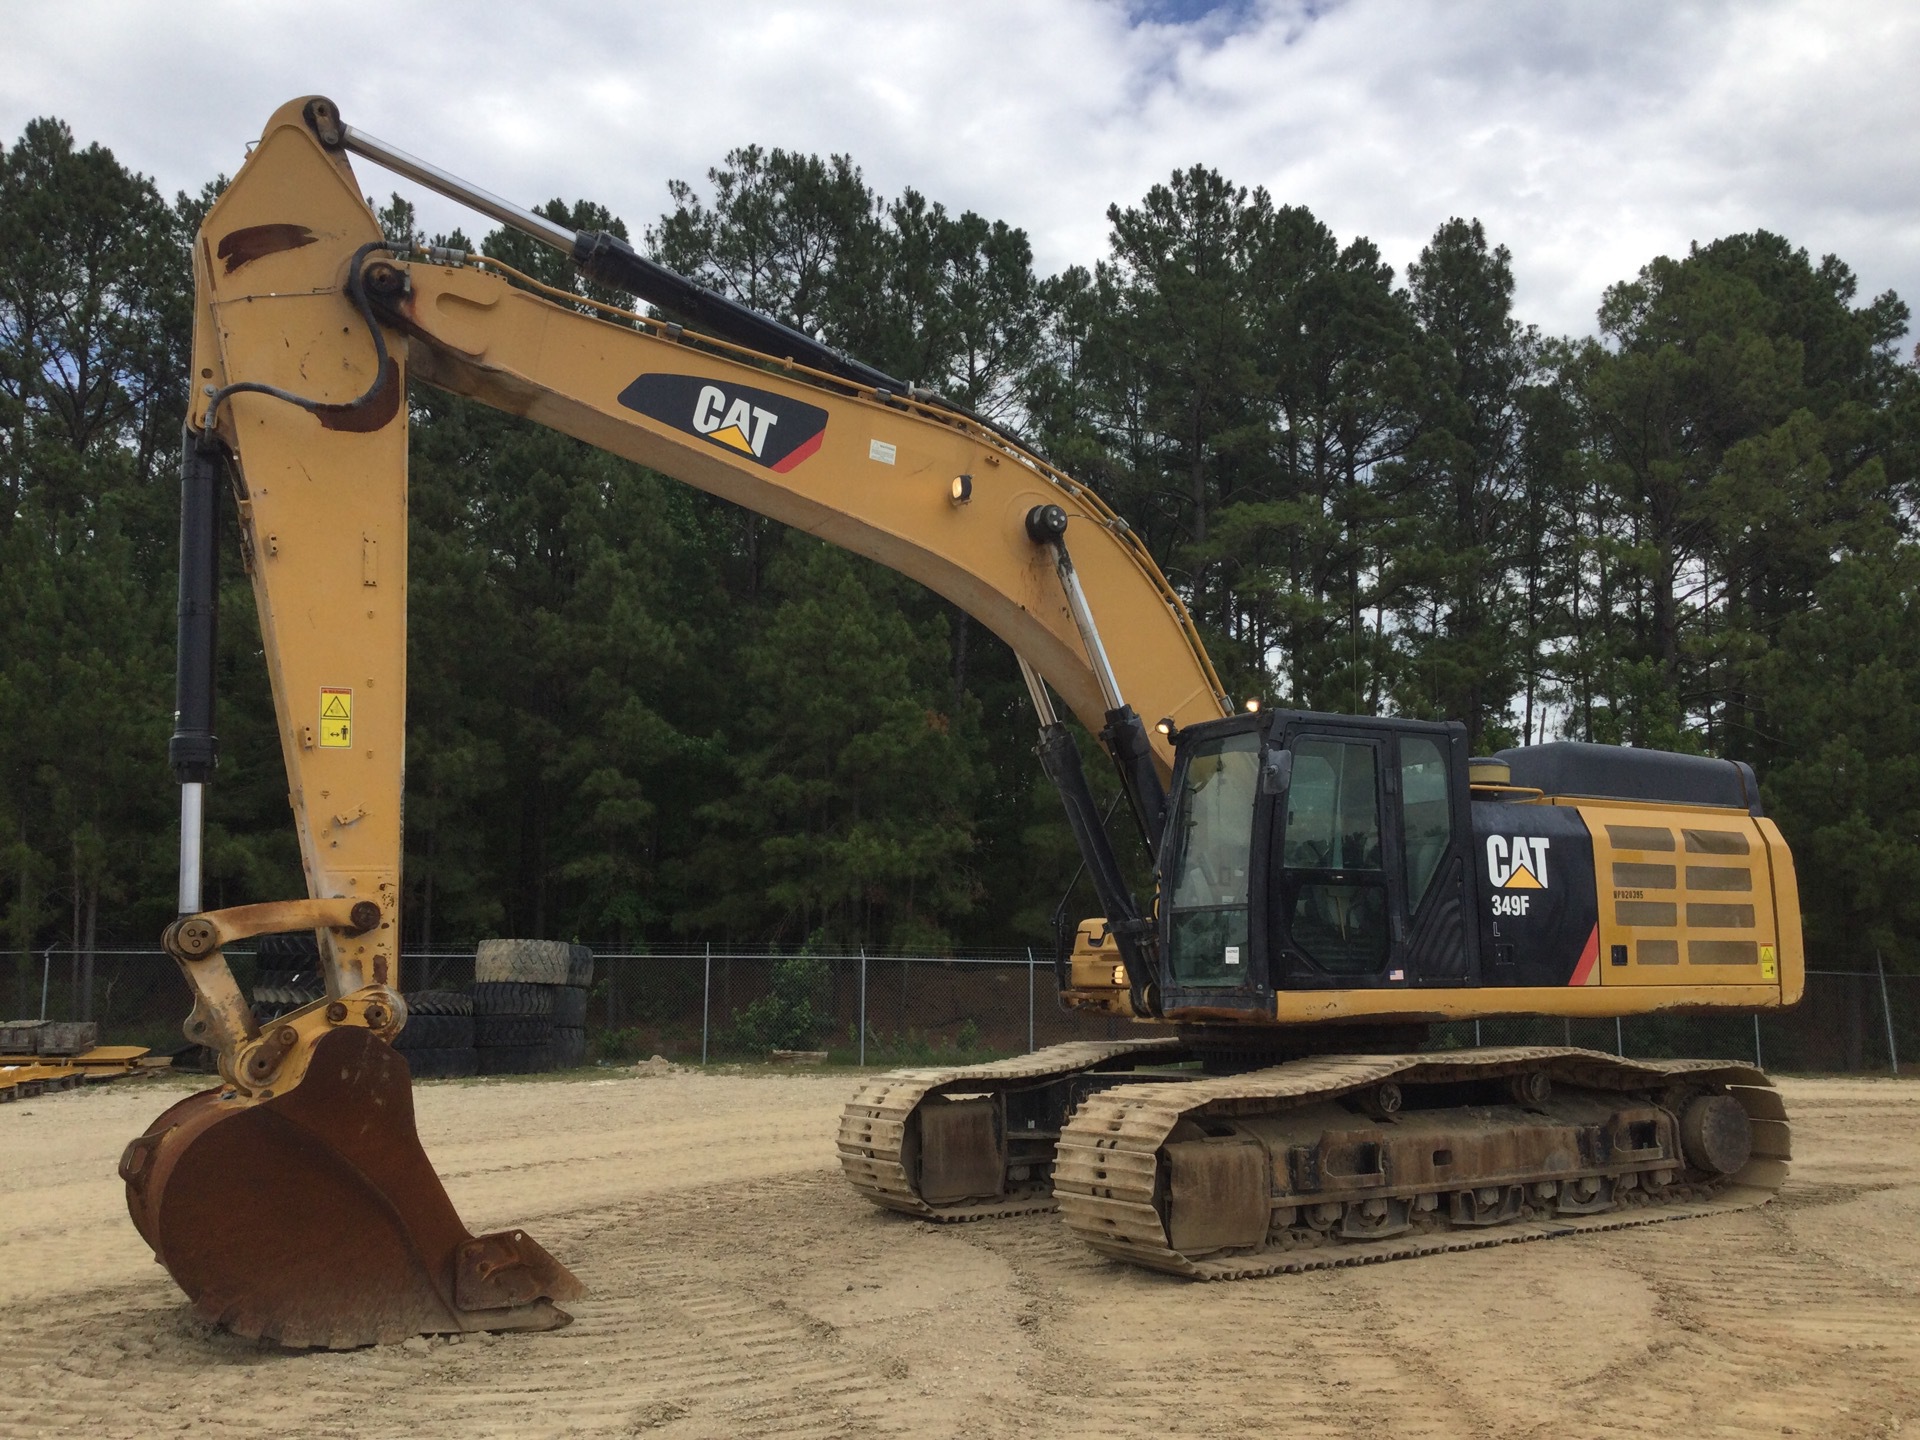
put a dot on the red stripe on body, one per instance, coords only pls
(1589, 957)
(801, 452)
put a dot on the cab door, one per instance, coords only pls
(1213, 850)
(1367, 879)
(1435, 833)
(1336, 908)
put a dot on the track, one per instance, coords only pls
(1109, 1177)
(875, 1127)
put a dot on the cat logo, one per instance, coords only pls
(771, 430)
(1517, 862)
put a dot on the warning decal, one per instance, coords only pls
(336, 718)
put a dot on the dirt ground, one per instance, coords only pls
(740, 1288)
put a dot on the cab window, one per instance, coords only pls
(1207, 868)
(1426, 813)
(1337, 909)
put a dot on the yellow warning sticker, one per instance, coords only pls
(1769, 967)
(336, 718)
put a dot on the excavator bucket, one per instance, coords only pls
(313, 1218)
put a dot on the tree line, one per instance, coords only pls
(641, 715)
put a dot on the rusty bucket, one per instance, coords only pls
(313, 1218)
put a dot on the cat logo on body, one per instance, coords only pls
(1516, 863)
(774, 431)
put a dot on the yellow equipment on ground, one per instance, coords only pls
(1325, 885)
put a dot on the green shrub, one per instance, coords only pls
(789, 1016)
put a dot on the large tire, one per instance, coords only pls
(514, 1059)
(450, 1064)
(579, 966)
(290, 950)
(439, 1002)
(286, 973)
(569, 1007)
(569, 1048)
(530, 962)
(511, 1031)
(506, 997)
(436, 1032)
(288, 989)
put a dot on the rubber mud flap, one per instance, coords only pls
(963, 1150)
(314, 1217)
(1217, 1196)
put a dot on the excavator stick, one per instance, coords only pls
(294, 1203)
(314, 1218)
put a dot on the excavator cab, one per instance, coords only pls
(1308, 851)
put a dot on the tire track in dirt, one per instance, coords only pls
(659, 1342)
(742, 1288)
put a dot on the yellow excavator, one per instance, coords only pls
(1325, 887)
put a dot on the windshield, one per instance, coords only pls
(1212, 833)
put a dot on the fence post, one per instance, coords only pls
(1757, 1064)
(863, 1005)
(706, 1004)
(1030, 999)
(1476, 1034)
(1886, 1009)
(1619, 1038)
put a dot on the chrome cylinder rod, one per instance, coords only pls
(1037, 688)
(192, 796)
(1089, 632)
(434, 178)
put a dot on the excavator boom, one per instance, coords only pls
(295, 1201)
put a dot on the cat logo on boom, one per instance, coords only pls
(774, 431)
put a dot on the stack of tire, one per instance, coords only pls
(286, 974)
(437, 1039)
(530, 1005)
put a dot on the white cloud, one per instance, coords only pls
(1588, 137)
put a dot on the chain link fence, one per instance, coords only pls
(886, 1010)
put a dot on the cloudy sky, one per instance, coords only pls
(1588, 136)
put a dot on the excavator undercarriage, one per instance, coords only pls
(1331, 1159)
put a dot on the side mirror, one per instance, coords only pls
(1276, 771)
